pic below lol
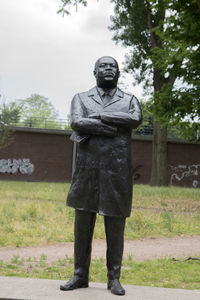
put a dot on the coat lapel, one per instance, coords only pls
(93, 94)
(117, 97)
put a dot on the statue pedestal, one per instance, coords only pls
(43, 289)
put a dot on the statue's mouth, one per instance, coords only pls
(109, 74)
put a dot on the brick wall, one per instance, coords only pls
(184, 164)
(46, 155)
(141, 159)
(49, 154)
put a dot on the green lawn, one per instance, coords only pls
(36, 214)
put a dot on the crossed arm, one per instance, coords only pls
(104, 123)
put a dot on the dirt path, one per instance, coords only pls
(148, 248)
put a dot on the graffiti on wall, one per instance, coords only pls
(14, 166)
(184, 173)
(136, 174)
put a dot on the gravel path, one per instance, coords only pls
(142, 249)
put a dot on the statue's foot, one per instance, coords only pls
(75, 282)
(115, 287)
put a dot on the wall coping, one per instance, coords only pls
(42, 130)
(149, 138)
(134, 136)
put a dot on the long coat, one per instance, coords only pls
(102, 181)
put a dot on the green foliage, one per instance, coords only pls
(37, 111)
(147, 125)
(166, 62)
(9, 114)
(66, 3)
(162, 52)
(181, 54)
(5, 135)
(163, 41)
(37, 106)
(130, 24)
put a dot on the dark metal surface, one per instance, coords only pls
(102, 119)
(102, 181)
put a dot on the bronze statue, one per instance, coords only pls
(102, 119)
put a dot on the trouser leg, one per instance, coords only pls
(114, 228)
(83, 232)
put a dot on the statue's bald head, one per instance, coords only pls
(106, 71)
(105, 57)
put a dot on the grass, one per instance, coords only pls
(160, 273)
(175, 199)
(36, 214)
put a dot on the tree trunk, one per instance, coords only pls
(159, 171)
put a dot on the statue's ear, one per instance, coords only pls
(94, 73)
(119, 74)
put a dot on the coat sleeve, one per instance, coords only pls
(132, 118)
(84, 125)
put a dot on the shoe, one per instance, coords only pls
(115, 287)
(74, 283)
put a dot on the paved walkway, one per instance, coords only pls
(140, 250)
(44, 289)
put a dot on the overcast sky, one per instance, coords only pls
(42, 52)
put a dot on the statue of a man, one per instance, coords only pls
(102, 119)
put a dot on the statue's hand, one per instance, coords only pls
(95, 116)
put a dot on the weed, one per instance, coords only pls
(32, 212)
(130, 257)
(42, 263)
(61, 262)
(8, 211)
(15, 259)
(19, 240)
(43, 256)
(167, 220)
(29, 259)
(9, 228)
(163, 203)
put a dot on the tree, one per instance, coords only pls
(9, 115)
(156, 33)
(133, 24)
(140, 25)
(37, 106)
(36, 110)
(182, 31)
(146, 128)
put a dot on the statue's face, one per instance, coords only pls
(106, 72)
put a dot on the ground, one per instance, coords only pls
(140, 250)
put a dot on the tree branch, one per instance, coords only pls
(198, 3)
(150, 26)
(189, 258)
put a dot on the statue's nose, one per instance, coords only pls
(108, 68)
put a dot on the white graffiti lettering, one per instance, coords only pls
(182, 172)
(13, 166)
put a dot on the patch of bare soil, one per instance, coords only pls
(140, 250)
